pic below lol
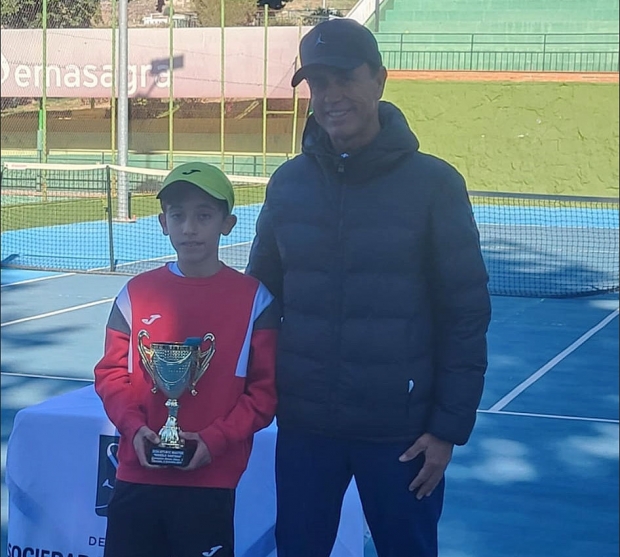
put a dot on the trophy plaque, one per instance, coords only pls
(174, 367)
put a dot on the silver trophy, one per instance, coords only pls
(174, 367)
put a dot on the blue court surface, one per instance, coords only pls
(539, 477)
(532, 247)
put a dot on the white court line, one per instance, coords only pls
(236, 245)
(551, 364)
(554, 416)
(38, 376)
(500, 413)
(57, 312)
(162, 257)
(27, 281)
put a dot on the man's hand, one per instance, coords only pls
(437, 455)
(140, 439)
(202, 456)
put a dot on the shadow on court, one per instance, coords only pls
(538, 478)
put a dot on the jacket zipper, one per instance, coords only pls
(341, 272)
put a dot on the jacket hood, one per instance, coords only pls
(394, 141)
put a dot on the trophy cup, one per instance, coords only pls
(174, 367)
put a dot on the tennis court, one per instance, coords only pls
(534, 245)
(540, 474)
(545, 447)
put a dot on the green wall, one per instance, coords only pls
(553, 138)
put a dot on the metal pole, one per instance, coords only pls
(171, 85)
(295, 102)
(113, 93)
(265, 50)
(123, 109)
(377, 14)
(222, 84)
(43, 108)
(109, 217)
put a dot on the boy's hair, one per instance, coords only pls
(167, 197)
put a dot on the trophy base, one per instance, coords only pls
(171, 456)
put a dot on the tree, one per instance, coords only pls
(28, 14)
(236, 12)
(273, 4)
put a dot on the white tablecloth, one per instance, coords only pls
(60, 473)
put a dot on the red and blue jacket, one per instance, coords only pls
(235, 397)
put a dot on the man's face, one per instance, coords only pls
(194, 221)
(345, 104)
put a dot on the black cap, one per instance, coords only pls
(339, 43)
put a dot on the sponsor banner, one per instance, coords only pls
(79, 63)
(31, 551)
(60, 472)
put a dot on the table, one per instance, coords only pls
(60, 473)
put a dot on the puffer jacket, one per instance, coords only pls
(375, 258)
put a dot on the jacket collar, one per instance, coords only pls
(394, 141)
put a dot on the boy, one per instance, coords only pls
(175, 511)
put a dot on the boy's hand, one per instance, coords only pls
(140, 439)
(202, 456)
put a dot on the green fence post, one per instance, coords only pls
(170, 161)
(109, 211)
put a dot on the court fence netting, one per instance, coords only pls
(103, 218)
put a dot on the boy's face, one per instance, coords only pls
(194, 221)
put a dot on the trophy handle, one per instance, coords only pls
(147, 355)
(204, 359)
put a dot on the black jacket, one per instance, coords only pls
(376, 261)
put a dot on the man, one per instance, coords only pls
(372, 250)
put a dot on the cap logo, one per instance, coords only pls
(188, 172)
(320, 41)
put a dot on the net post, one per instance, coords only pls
(108, 173)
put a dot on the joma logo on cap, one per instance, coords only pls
(188, 172)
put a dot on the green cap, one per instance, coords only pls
(208, 178)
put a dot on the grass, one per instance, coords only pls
(549, 138)
(146, 205)
(52, 213)
(552, 138)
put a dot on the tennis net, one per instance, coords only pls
(103, 218)
(546, 246)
